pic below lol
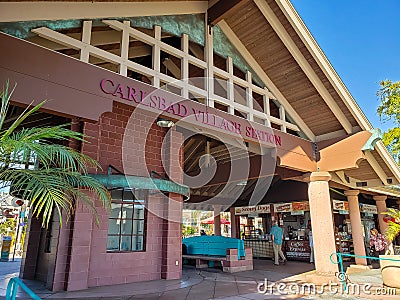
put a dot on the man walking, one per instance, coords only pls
(277, 239)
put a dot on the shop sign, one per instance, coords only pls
(300, 206)
(340, 205)
(285, 207)
(343, 212)
(298, 250)
(367, 208)
(297, 213)
(160, 103)
(254, 210)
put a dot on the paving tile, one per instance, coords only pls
(175, 294)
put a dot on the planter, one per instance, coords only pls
(390, 270)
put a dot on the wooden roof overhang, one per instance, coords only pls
(272, 34)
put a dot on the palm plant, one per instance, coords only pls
(51, 176)
(393, 229)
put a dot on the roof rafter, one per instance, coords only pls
(264, 77)
(303, 63)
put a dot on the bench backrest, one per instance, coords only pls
(213, 245)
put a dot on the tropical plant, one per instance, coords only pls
(40, 169)
(393, 219)
(389, 110)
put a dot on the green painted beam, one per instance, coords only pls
(145, 183)
(375, 137)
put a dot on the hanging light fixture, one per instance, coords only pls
(165, 123)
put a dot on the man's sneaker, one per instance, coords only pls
(285, 261)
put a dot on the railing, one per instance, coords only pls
(342, 274)
(12, 289)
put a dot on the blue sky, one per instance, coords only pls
(361, 39)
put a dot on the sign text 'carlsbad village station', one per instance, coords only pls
(181, 109)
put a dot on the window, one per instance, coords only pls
(126, 224)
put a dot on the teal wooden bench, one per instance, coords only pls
(206, 250)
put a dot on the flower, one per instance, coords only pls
(393, 219)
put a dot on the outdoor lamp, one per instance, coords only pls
(164, 122)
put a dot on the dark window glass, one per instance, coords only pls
(127, 221)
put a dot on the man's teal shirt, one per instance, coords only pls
(277, 232)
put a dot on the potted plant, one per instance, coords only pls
(391, 268)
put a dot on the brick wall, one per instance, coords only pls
(91, 265)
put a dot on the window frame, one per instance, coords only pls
(133, 202)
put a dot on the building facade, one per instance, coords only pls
(206, 104)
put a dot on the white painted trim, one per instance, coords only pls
(47, 10)
(303, 63)
(209, 58)
(377, 168)
(56, 37)
(330, 135)
(185, 65)
(86, 37)
(120, 60)
(372, 183)
(263, 76)
(123, 69)
(384, 153)
(384, 192)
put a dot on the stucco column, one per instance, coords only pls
(322, 222)
(217, 220)
(356, 226)
(381, 207)
(234, 232)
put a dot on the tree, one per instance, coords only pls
(389, 110)
(40, 169)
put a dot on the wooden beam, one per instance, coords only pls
(52, 10)
(172, 68)
(222, 9)
(264, 77)
(344, 154)
(303, 63)
(377, 168)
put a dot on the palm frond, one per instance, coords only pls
(60, 177)
(55, 188)
(5, 100)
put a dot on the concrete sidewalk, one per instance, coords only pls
(206, 284)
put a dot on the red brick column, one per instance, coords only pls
(172, 229)
(80, 249)
(234, 231)
(81, 227)
(31, 248)
(217, 220)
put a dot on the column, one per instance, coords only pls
(217, 220)
(322, 222)
(356, 226)
(81, 244)
(381, 207)
(172, 238)
(172, 225)
(234, 231)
